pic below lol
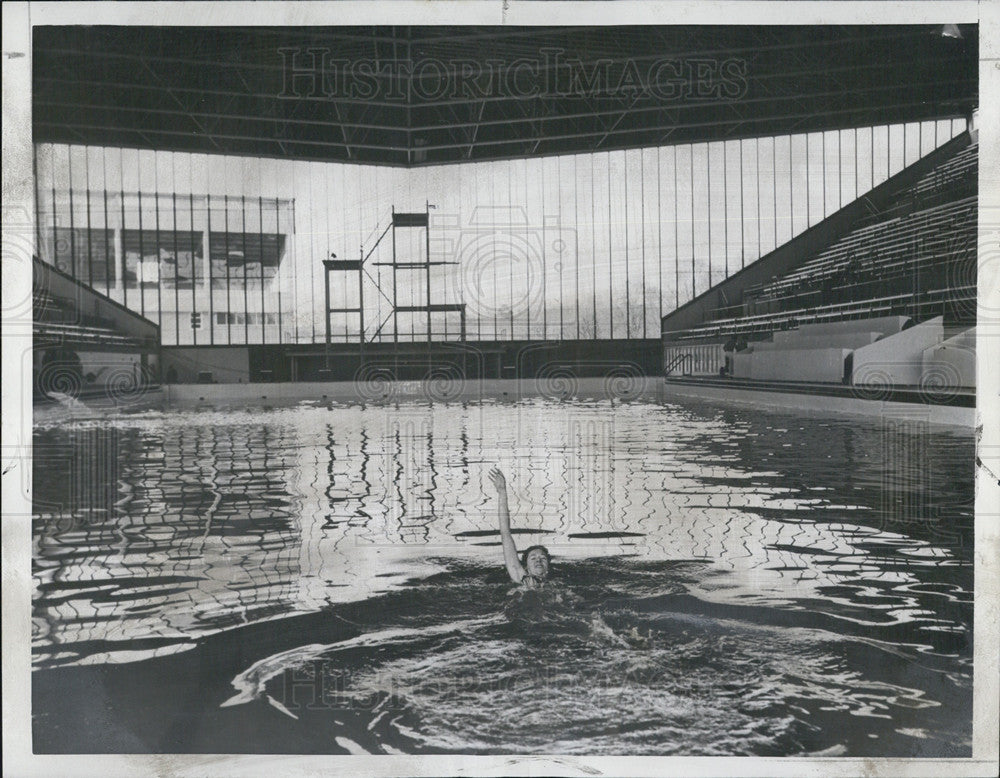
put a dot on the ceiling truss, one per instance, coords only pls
(413, 96)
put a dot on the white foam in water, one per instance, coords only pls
(274, 703)
(349, 745)
(71, 404)
(251, 682)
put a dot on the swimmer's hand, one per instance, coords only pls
(499, 482)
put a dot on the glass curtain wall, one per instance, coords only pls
(227, 250)
(146, 229)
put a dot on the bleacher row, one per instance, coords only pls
(920, 263)
(893, 300)
(59, 319)
(952, 180)
(761, 325)
(917, 257)
(959, 172)
(888, 250)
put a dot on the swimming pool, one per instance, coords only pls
(326, 577)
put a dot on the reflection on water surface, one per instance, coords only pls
(731, 581)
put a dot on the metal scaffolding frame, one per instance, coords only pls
(399, 220)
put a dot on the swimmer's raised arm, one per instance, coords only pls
(509, 549)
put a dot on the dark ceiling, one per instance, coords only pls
(431, 95)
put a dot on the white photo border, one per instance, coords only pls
(18, 201)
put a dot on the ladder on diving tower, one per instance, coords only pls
(405, 221)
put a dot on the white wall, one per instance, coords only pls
(952, 363)
(820, 364)
(897, 360)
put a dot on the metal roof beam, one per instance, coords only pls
(510, 120)
(505, 141)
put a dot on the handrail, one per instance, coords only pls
(676, 361)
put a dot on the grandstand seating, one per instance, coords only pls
(915, 257)
(947, 182)
(59, 319)
(86, 343)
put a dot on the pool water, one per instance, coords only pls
(328, 578)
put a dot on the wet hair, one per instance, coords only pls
(543, 549)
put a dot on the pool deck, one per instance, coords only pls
(815, 402)
(450, 390)
(818, 402)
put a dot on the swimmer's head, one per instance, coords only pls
(536, 561)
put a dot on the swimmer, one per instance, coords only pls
(532, 569)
